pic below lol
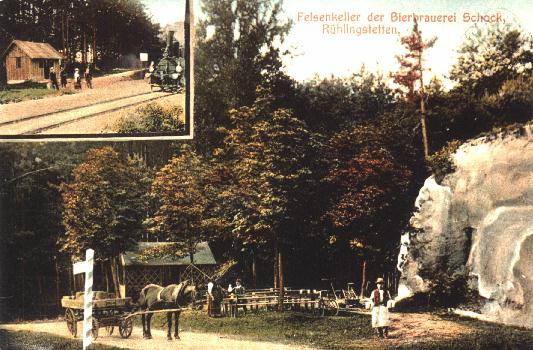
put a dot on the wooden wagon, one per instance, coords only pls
(108, 312)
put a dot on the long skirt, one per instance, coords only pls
(380, 316)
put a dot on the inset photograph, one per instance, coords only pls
(95, 70)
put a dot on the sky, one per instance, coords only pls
(316, 50)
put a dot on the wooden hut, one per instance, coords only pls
(139, 271)
(27, 60)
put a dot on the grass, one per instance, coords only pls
(28, 91)
(353, 332)
(20, 340)
(286, 328)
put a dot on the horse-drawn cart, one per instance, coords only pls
(108, 312)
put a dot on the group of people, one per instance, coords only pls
(379, 303)
(215, 294)
(77, 78)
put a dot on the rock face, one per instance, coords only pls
(479, 221)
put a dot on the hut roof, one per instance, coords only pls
(35, 50)
(203, 256)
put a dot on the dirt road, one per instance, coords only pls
(410, 328)
(189, 340)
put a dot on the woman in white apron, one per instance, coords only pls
(380, 311)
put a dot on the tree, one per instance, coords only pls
(411, 73)
(186, 195)
(30, 221)
(104, 208)
(270, 154)
(368, 188)
(332, 104)
(237, 49)
(76, 25)
(490, 56)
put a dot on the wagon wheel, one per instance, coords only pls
(72, 324)
(125, 327)
(109, 330)
(95, 328)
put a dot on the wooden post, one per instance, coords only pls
(254, 272)
(281, 279)
(363, 281)
(87, 268)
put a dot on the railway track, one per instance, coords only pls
(35, 124)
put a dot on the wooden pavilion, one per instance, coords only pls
(139, 271)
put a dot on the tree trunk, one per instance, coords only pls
(56, 266)
(114, 274)
(254, 272)
(363, 279)
(276, 274)
(106, 273)
(423, 122)
(23, 289)
(94, 46)
(281, 279)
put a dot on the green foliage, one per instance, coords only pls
(332, 104)
(237, 51)
(447, 289)
(185, 194)
(28, 91)
(153, 117)
(492, 55)
(513, 102)
(440, 163)
(103, 205)
(268, 152)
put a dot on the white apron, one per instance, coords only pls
(380, 316)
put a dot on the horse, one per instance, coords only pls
(174, 296)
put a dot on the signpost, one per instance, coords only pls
(87, 268)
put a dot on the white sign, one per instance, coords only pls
(87, 268)
(143, 56)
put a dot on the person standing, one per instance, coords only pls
(210, 298)
(77, 79)
(89, 77)
(53, 79)
(238, 291)
(380, 312)
(63, 77)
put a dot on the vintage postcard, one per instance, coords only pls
(266, 174)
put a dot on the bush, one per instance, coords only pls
(153, 117)
(447, 289)
(440, 163)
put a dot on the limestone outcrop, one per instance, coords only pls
(479, 221)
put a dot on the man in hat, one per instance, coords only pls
(380, 311)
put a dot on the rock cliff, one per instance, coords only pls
(479, 221)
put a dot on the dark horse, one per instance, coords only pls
(174, 296)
